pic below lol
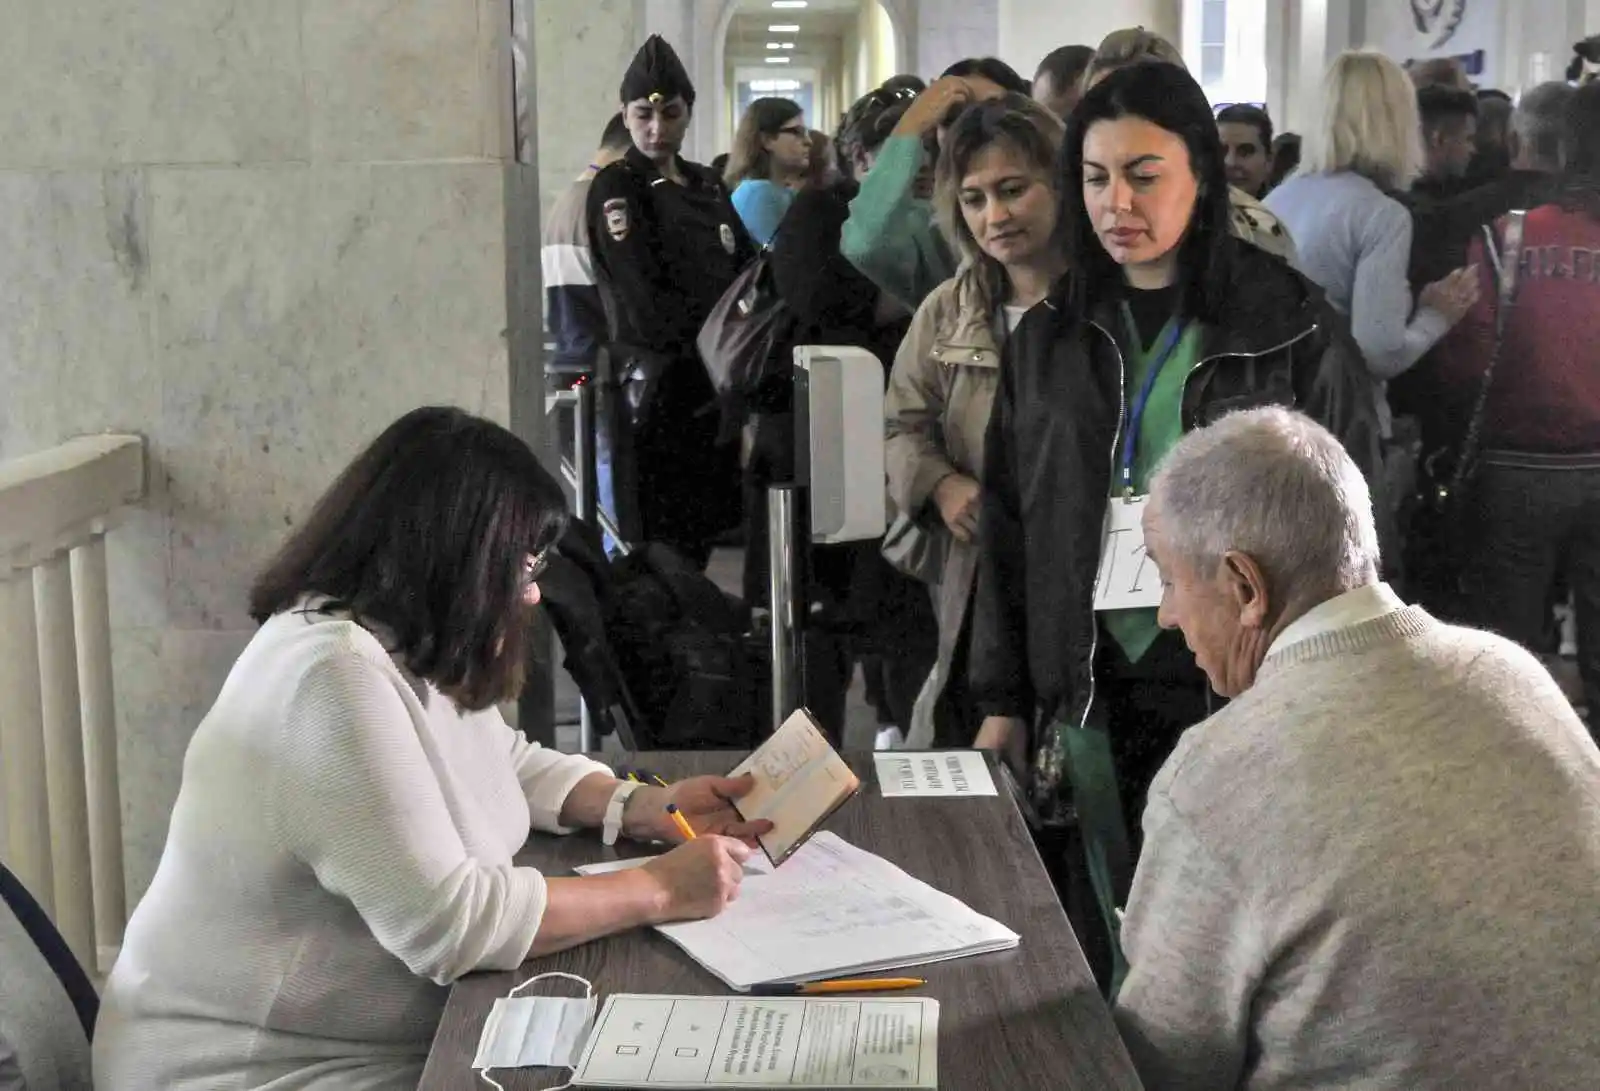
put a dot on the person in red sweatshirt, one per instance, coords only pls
(1534, 505)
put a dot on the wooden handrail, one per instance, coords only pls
(56, 499)
(58, 732)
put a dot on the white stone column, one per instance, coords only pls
(255, 233)
(1319, 32)
(582, 48)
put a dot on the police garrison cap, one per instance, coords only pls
(656, 74)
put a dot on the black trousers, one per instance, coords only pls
(1534, 517)
(1146, 706)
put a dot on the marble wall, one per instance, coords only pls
(254, 233)
(948, 30)
(582, 48)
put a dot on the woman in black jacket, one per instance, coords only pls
(870, 611)
(1164, 323)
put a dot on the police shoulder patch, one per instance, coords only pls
(618, 218)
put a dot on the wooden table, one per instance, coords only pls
(1017, 1020)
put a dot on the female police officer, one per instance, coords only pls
(667, 244)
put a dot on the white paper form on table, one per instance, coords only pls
(834, 910)
(904, 773)
(690, 1042)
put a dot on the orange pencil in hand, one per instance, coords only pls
(681, 822)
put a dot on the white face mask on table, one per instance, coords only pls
(535, 1031)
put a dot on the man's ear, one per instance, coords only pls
(1246, 587)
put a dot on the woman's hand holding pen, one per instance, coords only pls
(698, 878)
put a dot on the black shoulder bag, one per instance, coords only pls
(1436, 530)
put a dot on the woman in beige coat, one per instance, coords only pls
(995, 198)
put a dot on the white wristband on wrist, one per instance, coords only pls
(613, 821)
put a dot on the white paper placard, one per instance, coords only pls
(686, 1042)
(906, 773)
(1128, 579)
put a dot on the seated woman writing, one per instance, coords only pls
(342, 844)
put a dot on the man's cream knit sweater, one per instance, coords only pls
(1378, 868)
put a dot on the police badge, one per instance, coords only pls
(616, 213)
(726, 232)
(1439, 18)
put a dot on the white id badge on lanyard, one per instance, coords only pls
(535, 1031)
(1128, 579)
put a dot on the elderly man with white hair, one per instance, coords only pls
(1379, 866)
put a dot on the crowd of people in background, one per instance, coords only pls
(1065, 278)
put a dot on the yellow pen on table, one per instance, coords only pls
(681, 822)
(816, 988)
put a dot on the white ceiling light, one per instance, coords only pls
(777, 60)
(784, 28)
(774, 45)
(788, 4)
(770, 86)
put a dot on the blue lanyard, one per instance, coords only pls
(1130, 443)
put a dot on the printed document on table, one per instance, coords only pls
(904, 773)
(800, 781)
(694, 1041)
(834, 910)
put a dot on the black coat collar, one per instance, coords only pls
(1267, 305)
(693, 173)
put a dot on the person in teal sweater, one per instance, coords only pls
(890, 235)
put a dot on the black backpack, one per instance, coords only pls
(688, 656)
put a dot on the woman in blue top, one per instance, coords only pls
(770, 159)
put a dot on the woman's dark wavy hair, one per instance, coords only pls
(1167, 96)
(426, 534)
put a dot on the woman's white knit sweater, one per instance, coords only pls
(340, 850)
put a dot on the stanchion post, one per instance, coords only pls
(586, 500)
(783, 566)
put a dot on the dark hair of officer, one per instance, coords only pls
(428, 537)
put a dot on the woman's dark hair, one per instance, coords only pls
(1580, 146)
(1020, 124)
(427, 535)
(992, 69)
(762, 119)
(1167, 96)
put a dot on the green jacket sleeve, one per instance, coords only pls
(890, 234)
